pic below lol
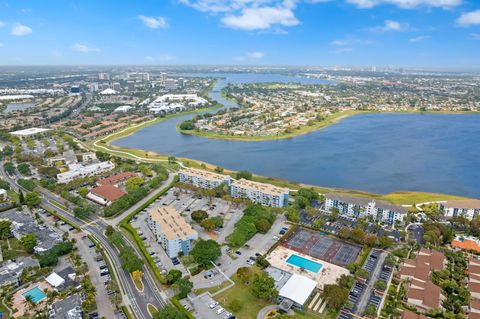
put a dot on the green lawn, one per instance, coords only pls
(213, 289)
(15, 251)
(250, 304)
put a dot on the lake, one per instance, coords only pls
(379, 153)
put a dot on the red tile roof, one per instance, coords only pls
(108, 192)
(115, 179)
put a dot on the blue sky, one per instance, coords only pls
(433, 33)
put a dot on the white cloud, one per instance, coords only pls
(1, 44)
(2, 24)
(350, 41)
(153, 23)
(261, 18)
(419, 38)
(165, 57)
(83, 48)
(25, 10)
(469, 18)
(475, 36)
(250, 14)
(390, 25)
(407, 4)
(19, 30)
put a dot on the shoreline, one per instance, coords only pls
(333, 119)
(400, 197)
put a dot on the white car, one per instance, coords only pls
(275, 238)
(213, 305)
(220, 310)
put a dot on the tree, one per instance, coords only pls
(292, 214)
(380, 285)
(21, 198)
(83, 191)
(335, 296)
(5, 228)
(32, 199)
(187, 125)
(4, 184)
(169, 312)
(309, 193)
(219, 169)
(206, 251)
(183, 287)
(28, 241)
(235, 305)
(301, 202)
(129, 259)
(262, 226)
(371, 311)
(264, 287)
(362, 273)
(208, 224)
(173, 275)
(172, 159)
(24, 169)
(262, 262)
(199, 215)
(243, 174)
(109, 230)
(82, 212)
(132, 184)
(245, 274)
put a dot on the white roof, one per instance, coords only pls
(123, 108)
(2, 191)
(29, 131)
(298, 288)
(54, 280)
(108, 92)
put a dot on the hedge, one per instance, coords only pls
(179, 306)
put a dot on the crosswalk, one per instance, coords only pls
(317, 304)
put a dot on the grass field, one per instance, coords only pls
(16, 249)
(213, 289)
(250, 304)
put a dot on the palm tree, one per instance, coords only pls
(29, 303)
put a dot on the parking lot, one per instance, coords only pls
(207, 308)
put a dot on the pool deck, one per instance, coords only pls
(18, 300)
(327, 275)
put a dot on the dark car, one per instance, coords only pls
(238, 252)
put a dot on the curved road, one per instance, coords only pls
(132, 298)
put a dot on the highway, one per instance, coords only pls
(137, 301)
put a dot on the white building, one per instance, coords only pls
(123, 108)
(264, 194)
(203, 179)
(358, 207)
(297, 289)
(80, 171)
(173, 233)
(468, 208)
(29, 132)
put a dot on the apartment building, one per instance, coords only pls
(172, 232)
(80, 171)
(357, 207)
(422, 292)
(264, 194)
(203, 179)
(468, 208)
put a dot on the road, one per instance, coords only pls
(136, 300)
(362, 304)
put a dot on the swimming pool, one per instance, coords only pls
(36, 293)
(304, 263)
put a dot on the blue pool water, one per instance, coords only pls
(304, 263)
(36, 293)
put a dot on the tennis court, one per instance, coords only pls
(322, 247)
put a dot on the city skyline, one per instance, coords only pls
(427, 33)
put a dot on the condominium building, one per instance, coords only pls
(203, 179)
(265, 194)
(357, 207)
(172, 232)
(468, 208)
(80, 171)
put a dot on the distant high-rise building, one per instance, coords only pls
(146, 76)
(181, 82)
(131, 86)
(170, 84)
(94, 87)
(116, 86)
(104, 76)
(75, 90)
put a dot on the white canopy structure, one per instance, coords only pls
(55, 280)
(298, 288)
